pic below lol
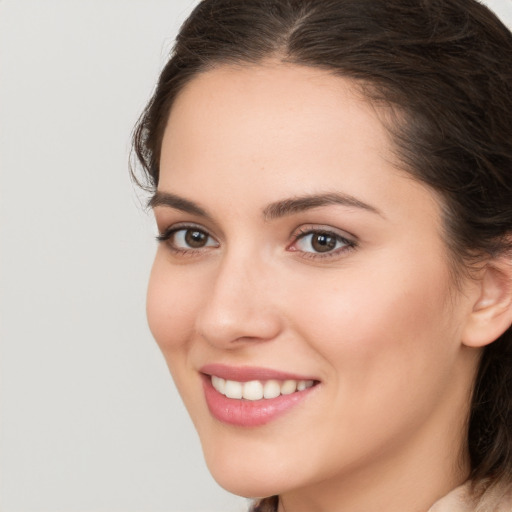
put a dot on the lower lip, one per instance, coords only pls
(249, 413)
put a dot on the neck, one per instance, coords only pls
(386, 489)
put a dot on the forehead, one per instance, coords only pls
(275, 131)
(271, 113)
(252, 92)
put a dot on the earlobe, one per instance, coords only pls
(492, 311)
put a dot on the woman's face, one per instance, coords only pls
(296, 257)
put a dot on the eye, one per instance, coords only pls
(192, 239)
(321, 242)
(182, 239)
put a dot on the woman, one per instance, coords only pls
(332, 291)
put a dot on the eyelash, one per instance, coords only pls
(348, 245)
(167, 235)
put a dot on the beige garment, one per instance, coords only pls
(496, 499)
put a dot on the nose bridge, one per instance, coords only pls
(239, 306)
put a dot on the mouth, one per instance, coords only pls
(250, 397)
(258, 389)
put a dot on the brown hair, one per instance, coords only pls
(445, 68)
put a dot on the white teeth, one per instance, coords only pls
(304, 384)
(256, 390)
(271, 389)
(218, 383)
(233, 389)
(288, 387)
(253, 390)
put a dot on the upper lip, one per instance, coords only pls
(248, 373)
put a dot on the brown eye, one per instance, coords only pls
(195, 239)
(323, 242)
(187, 239)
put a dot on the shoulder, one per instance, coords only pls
(497, 498)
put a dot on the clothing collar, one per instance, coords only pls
(497, 498)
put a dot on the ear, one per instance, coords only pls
(492, 311)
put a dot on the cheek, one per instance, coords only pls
(382, 327)
(170, 305)
(388, 341)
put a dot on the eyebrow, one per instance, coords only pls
(178, 203)
(303, 203)
(273, 211)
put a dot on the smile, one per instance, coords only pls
(252, 397)
(257, 389)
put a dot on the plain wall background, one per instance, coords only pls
(90, 420)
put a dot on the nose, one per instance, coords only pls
(239, 306)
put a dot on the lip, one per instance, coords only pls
(248, 373)
(248, 413)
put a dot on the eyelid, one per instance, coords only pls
(307, 229)
(350, 241)
(166, 235)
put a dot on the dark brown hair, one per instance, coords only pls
(445, 68)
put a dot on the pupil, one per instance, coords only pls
(195, 239)
(323, 242)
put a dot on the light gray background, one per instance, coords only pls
(90, 420)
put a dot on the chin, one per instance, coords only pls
(244, 476)
(247, 484)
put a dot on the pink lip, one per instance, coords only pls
(247, 413)
(248, 373)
